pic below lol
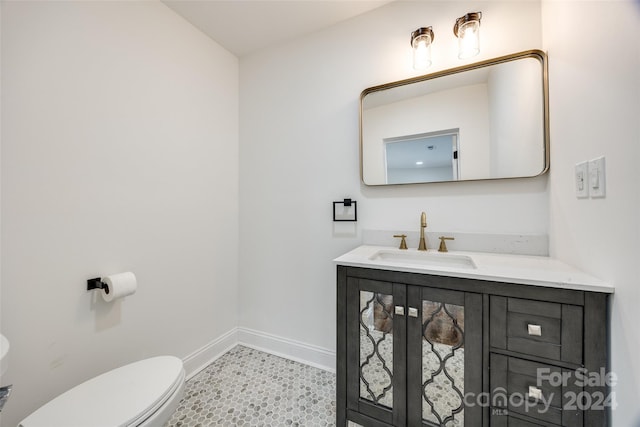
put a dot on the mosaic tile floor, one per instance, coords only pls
(246, 387)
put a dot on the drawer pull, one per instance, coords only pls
(535, 393)
(399, 310)
(413, 312)
(534, 330)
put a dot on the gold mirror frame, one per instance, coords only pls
(535, 54)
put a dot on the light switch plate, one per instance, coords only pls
(581, 178)
(597, 181)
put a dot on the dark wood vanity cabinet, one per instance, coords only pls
(425, 350)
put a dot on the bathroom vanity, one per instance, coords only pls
(469, 339)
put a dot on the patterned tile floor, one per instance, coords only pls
(246, 387)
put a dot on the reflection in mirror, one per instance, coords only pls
(482, 121)
(427, 157)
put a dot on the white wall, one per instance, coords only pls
(299, 152)
(595, 106)
(119, 152)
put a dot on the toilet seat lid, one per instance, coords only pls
(119, 398)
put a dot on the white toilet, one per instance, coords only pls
(142, 394)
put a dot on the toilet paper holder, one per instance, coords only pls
(97, 283)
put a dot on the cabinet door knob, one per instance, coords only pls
(399, 310)
(413, 312)
(534, 330)
(535, 393)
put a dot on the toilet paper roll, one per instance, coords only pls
(119, 285)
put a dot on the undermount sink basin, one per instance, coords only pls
(4, 350)
(425, 259)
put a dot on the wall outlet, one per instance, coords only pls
(582, 180)
(597, 180)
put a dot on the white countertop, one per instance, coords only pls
(521, 269)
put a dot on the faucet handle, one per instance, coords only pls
(403, 242)
(443, 245)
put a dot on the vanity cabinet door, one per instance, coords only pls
(444, 357)
(376, 350)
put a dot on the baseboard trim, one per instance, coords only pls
(203, 357)
(297, 351)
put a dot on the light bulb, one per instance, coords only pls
(421, 40)
(467, 29)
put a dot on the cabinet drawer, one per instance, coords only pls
(523, 387)
(504, 420)
(537, 328)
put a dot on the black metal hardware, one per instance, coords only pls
(97, 283)
(346, 203)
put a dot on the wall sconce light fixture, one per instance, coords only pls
(421, 40)
(467, 29)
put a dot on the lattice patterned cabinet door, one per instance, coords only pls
(376, 348)
(375, 356)
(446, 365)
(443, 363)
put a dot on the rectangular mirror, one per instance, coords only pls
(487, 120)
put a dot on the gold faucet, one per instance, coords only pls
(403, 242)
(443, 245)
(423, 224)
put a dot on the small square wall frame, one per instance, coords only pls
(349, 211)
